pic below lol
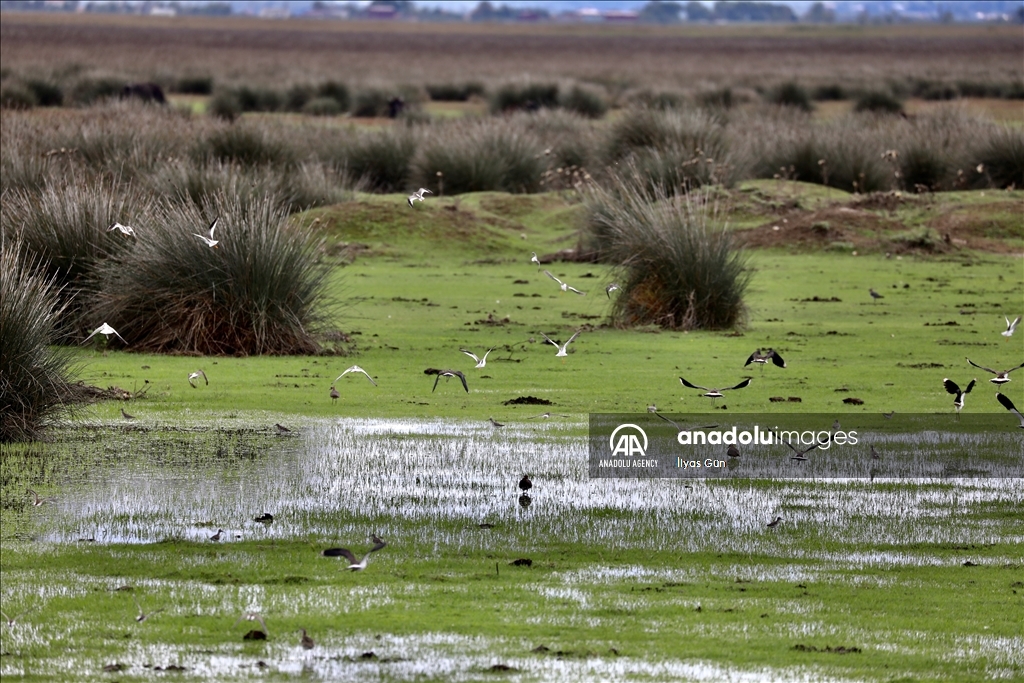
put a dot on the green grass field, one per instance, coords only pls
(628, 580)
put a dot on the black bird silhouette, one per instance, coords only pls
(953, 388)
(1008, 404)
(525, 484)
(354, 563)
(763, 357)
(449, 373)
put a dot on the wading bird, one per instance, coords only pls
(334, 394)
(1000, 377)
(565, 287)
(210, 242)
(417, 196)
(874, 453)
(732, 451)
(354, 368)
(193, 376)
(525, 484)
(762, 358)
(613, 287)
(125, 229)
(480, 362)
(952, 388)
(307, 642)
(875, 296)
(216, 536)
(495, 423)
(106, 330)
(281, 429)
(38, 500)
(355, 564)
(450, 373)
(774, 523)
(265, 518)
(142, 615)
(126, 415)
(252, 616)
(1010, 327)
(1008, 404)
(715, 393)
(562, 353)
(546, 416)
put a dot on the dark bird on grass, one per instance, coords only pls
(874, 453)
(1000, 377)
(252, 616)
(106, 330)
(715, 393)
(449, 374)
(126, 415)
(562, 353)
(142, 615)
(216, 536)
(1008, 404)
(334, 394)
(307, 642)
(354, 368)
(125, 229)
(732, 451)
(875, 295)
(774, 523)
(495, 423)
(281, 429)
(355, 564)
(954, 389)
(525, 484)
(613, 287)
(762, 357)
(265, 518)
(565, 287)
(196, 375)
(210, 242)
(1010, 327)
(801, 455)
(417, 196)
(480, 362)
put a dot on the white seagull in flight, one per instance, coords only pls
(1010, 327)
(480, 362)
(561, 347)
(193, 376)
(417, 196)
(534, 259)
(210, 242)
(105, 330)
(354, 368)
(565, 287)
(126, 229)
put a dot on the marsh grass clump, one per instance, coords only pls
(322, 106)
(455, 92)
(371, 102)
(480, 157)
(253, 98)
(246, 145)
(585, 101)
(678, 268)
(47, 93)
(879, 102)
(224, 105)
(382, 161)
(527, 96)
(1001, 156)
(261, 291)
(194, 85)
(16, 96)
(93, 89)
(791, 94)
(35, 376)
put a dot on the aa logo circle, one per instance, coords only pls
(628, 443)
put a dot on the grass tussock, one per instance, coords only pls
(259, 292)
(678, 267)
(34, 375)
(382, 161)
(481, 156)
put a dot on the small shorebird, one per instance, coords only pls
(480, 362)
(762, 357)
(252, 616)
(125, 229)
(281, 429)
(210, 242)
(495, 423)
(801, 455)
(142, 615)
(450, 373)
(354, 368)
(38, 500)
(715, 393)
(952, 388)
(874, 453)
(307, 642)
(193, 376)
(525, 484)
(1008, 404)
(774, 523)
(106, 330)
(265, 518)
(126, 415)
(417, 196)
(534, 259)
(613, 287)
(875, 295)
(652, 408)
(1000, 377)
(334, 394)
(565, 287)
(216, 536)
(355, 564)
(561, 347)
(1010, 327)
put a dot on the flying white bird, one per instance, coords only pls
(210, 242)
(561, 347)
(354, 368)
(715, 393)
(534, 259)
(565, 287)
(417, 196)
(106, 330)
(613, 287)
(1000, 377)
(354, 564)
(480, 362)
(252, 616)
(142, 615)
(126, 229)
(1010, 327)
(193, 376)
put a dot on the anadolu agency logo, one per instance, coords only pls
(628, 444)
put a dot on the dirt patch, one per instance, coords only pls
(528, 401)
(834, 225)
